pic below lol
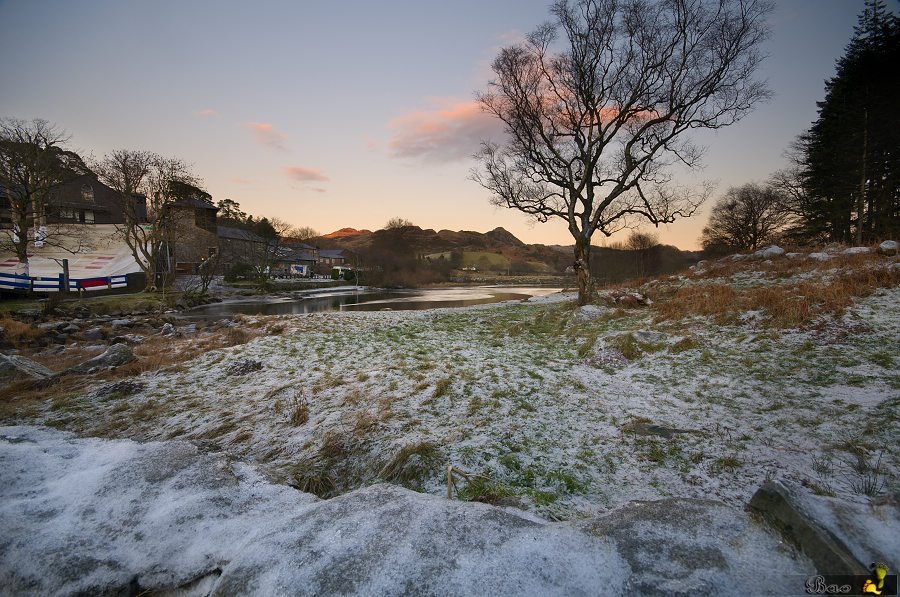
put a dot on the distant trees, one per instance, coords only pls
(746, 218)
(849, 160)
(593, 130)
(33, 163)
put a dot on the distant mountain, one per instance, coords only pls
(609, 265)
(345, 232)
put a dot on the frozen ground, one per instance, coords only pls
(566, 413)
(113, 517)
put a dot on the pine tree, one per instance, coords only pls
(852, 151)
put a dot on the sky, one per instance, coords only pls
(346, 114)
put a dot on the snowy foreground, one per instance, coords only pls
(89, 516)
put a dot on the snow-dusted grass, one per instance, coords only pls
(566, 415)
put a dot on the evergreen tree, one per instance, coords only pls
(851, 155)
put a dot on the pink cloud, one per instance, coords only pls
(265, 134)
(205, 113)
(320, 190)
(451, 131)
(239, 180)
(301, 174)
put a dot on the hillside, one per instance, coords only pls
(500, 250)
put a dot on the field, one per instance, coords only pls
(732, 375)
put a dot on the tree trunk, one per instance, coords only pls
(583, 270)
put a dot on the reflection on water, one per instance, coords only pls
(369, 300)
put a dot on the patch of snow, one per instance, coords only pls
(889, 247)
(769, 252)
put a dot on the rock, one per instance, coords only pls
(243, 367)
(114, 356)
(47, 326)
(190, 328)
(856, 251)
(647, 428)
(820, 256)
(121, 323)
(71, 328)
(840, 537)
(738, 257)
(698, 547)
(14, 367)
(92, 516)
(587, 313)
(130, 339)
(769, 252)
(92, 334)
(889, 247)
(795, 255)
(168, 330)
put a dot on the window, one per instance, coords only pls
(87, 193)
(88, 217)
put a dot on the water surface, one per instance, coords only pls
(369, 299)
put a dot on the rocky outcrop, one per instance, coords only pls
(91, 516)
(840, 537)
(16, 367)
(114, 356)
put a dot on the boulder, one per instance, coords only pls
(115, 355)
(70, 328)
(820, 256)
(243, 367)
(681, 546)
(587, 313)
(840, 537)
(93, 516)
(769, 252)
(16, 367)
(121, 323)
(856, 251)
(92, 334)
(168, 330)
(889, 247)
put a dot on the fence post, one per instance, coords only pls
(65, 276)
(62, 282)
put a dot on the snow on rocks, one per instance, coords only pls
(91, 516)
(839, 536)
(115, 355)
(856, 251)
(820, 256)
(889, 247)
(769, 252)
(587, 313)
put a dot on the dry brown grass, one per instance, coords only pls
(16, 332)
(785, 306)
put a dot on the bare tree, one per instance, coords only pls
(302, 233)
(397, 222)
(33, 164)
(593, 130)
(146, 183)
(746, 218)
